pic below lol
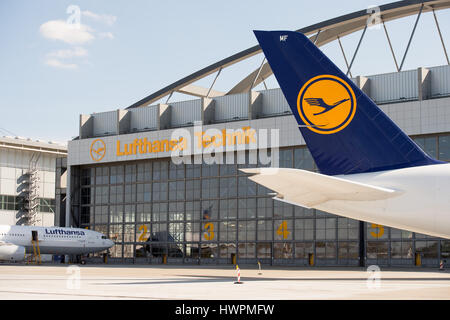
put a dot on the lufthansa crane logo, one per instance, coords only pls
(98, 150)
(326, 104)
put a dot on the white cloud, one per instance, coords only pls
(69, 53)
(58, 64)
(69, 33)
(108, 35)
(75, 34)
(104, 18)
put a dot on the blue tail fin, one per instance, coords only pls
(344, 129)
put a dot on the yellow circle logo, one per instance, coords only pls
(98, 150)
(326, 104)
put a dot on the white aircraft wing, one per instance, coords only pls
(309, 189)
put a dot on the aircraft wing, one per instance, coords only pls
(309, 189)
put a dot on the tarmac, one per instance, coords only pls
(171, 282)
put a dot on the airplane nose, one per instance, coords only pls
(109, 243)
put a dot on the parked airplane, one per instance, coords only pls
(369, 169)
(15, 241)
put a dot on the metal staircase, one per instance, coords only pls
(31, 206)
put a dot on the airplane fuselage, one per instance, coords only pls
(422, 206)
(56, 240)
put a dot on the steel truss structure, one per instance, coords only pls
(321, 33)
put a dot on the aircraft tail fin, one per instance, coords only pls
(344, 129)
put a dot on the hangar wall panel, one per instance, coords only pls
(105, 123)
(274, 102)
(440, 81)
(232, 107)
(144, 118)
(394, 86)
(186, 112)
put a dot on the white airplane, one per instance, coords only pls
(369, 169)
(16, 241)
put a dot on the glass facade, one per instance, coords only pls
(202, 213)
(17, 203)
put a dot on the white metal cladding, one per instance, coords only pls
(395, 86)
(105, 123)
(144, 118)
(232, 107)
(186, 112)
(274, 102)
(440, 81)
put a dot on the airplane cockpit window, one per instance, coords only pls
(104, 237)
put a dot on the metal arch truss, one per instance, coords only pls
(321, 34)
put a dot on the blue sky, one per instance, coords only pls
(125, 50)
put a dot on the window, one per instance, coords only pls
(193, 170)
(303, 249)
(428, 249)
(247, 250)
(348, 250)
(228, 169)
(326, 250)
(282, 250)
(176, 211)
(143, 212)
(304, 229)
(263, 250)
(176, 171)
(130, 193)
(210, 188)
(210, 170)
(144, 172)
(264, 230)
(326, 229)
(348, 229)
(227, 230)
(247, 208)
(160, 170)
(286, 158)
(264, 207)
(246, 230)
(282, 210)
(116, 175)
(130, 213)
(193, 210)
(228, 209)
(143, 192)
(377, 249)
(159, 211)
(444, 148)
(246, 187)
(228, 187)
(159, 191)
(303, 159)
(116, 194)
(176, 190)
(210, 210)
(193, 190)
(176, 232)
(116, 214)
(401, 250)
(428, 144)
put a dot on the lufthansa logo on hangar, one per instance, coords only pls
(98, 150)
(326, 104)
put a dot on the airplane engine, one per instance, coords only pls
(12, 252)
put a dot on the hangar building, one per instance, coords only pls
(123, 179)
